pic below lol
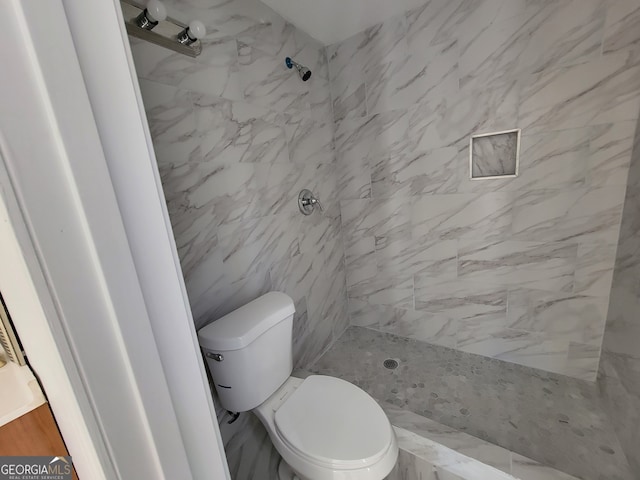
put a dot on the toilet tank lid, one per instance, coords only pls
(241, 327)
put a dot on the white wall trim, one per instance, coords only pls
(33, 309)
(59, 199)
(112, 85)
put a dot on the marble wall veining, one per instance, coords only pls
(619, 375)
(237, 135)
(517, 268)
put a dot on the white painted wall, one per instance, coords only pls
(75, 285)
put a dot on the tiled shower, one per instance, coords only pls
(531, 278)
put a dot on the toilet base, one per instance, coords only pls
(285, 472)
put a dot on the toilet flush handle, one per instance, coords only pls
(215, 356)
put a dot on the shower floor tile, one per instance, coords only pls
(550, 418)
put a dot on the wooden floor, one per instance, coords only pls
(34, 433)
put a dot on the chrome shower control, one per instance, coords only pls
(215, 356)
(307, 202)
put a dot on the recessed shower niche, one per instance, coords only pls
(494, 155)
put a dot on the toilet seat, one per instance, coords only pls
(308, 421)
(346, 437)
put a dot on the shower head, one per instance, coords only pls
(304, 72)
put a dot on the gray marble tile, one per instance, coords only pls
(605, 90)
(556, 422)
(590, 215)
(437, 329)
(460, 216)
(402, 254)
(310, 140)
(434, 23)
(377, 218)
(627, 265)
(362, 314)
(429, 460)
(320, 235)
(594, 269)
(352, 104)
(250, 453)
(203, 285)
(237, 136)
(457, 440)
(622, 27)
(238, 132)
(346, 70)
(618, 384)
(273, 35)
(559, 159)
(374, 135)
(266, 81)
(582, 317)
(485, 334)
(532, 37)
(354, 175)
(494, 155)
(444, 122)
(583, 360)
(214, 72)
(296, 276)
(458, 298)
(546, 266)
(409, 76)
(623, 328)
(226, 296)
(410, 467)
(488, 336)
(555, 159)
(523, 467)
(384, 289)
(169, 112)
(232, 192)
(610, 153)
(417, 173)
(253, 245)
(360, 259)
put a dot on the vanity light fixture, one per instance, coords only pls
(154, 13)
(192, 33)
(148, 21)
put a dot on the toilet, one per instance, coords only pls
(324, 428)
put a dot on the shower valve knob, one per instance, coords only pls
(307, 202)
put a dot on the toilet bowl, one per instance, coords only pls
(324, 428)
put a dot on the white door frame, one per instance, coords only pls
(90, 271)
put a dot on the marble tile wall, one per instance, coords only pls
(517, 268)
(237, 135)
(619, 374)
(422, 458)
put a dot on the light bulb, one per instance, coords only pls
(197, 30)
(156, 11)
(192, 33)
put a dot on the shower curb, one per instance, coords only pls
(515, 465)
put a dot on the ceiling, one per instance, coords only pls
(331, 21)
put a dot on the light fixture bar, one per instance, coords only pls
(165, 34)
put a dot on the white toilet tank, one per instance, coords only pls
(249, 351)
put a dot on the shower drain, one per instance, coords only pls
(390, 363)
